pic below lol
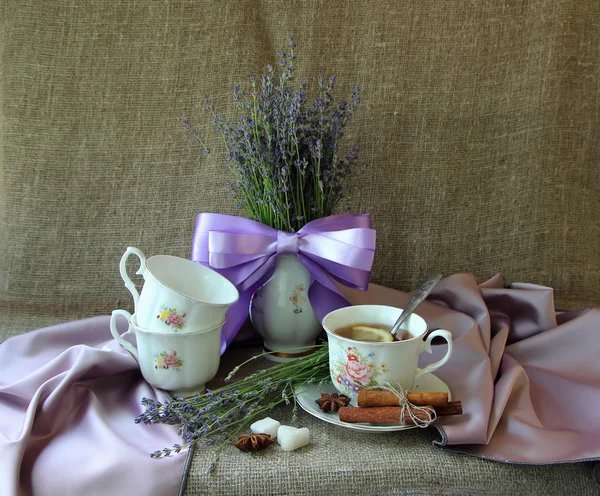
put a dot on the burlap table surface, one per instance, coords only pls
(479, 120)
(345, 461)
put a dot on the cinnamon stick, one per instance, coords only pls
(378, 415)
(372, 397)
(452, 408)
(391, 414)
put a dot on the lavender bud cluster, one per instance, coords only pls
(284, 151)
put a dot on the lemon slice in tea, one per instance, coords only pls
(371, 334)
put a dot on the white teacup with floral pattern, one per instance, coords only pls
(179, 363)
(178, 295)
(355, 365)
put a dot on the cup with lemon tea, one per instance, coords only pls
(363, 354)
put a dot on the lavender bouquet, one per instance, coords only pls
(284, 152)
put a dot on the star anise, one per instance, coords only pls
(332, 402)
(253, 442)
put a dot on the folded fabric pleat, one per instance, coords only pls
(528, 376)
(69, 395)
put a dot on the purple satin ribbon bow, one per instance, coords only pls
(340, 247)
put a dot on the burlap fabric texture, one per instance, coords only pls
(479, 121)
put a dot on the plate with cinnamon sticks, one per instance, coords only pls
(379, 410)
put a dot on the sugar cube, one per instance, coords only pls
(266, 426)
(292, 438)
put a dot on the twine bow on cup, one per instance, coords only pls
(421, 416)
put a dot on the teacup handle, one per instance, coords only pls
(426, 346)
(123, 270)
(118, 337)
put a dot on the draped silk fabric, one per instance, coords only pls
(68, 399)
(527, 375)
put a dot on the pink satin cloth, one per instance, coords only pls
(528, 376)
(69, 395)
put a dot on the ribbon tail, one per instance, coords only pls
(324, 300)
(237, 315)
(323, 294)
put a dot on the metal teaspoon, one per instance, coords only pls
(416, 300)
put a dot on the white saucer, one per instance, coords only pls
(307, 395)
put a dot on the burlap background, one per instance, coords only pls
(480, 121)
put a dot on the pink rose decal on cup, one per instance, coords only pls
(175, 320)
(354, 370)
(358, 372)
(171, 318)
(171, 360)
(165, 360)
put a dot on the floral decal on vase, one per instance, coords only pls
(170, 317)
(166, 360)
(297, 299)
(357, 371)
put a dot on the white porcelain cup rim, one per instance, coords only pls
(413, 317)
(147, 266)
(376, 343)
(133, 323)
(132, 327)
(156, 258)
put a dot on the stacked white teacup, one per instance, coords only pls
(177, 321)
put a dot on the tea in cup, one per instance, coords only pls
(178, 295)
(363, 353)
(372, 333)
(179, 363)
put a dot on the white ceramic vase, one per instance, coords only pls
(282, 314)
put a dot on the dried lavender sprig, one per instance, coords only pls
(217, 416)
